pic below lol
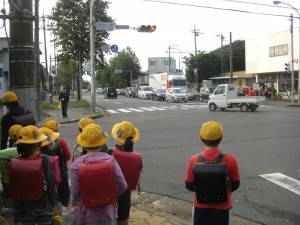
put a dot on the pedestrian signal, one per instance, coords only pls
(287, 66)
(146, 28)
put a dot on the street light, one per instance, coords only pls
(279, 2)
(179, 60)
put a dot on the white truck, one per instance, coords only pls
(225, 96)
(165, 80)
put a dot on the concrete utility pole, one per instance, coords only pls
(230, 58)
(196, 33)
(92, 58)
(22, 53)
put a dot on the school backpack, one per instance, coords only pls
(24, 120)
(26, 179)
(211, 180)
(131, 166)
(97, 183)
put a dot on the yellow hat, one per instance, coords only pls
(52, 124)
(123, 130)
(14, 131)
(9, 96)
(84, 122)
(51, 135)
(211, 131)
(92, 136)
(30, 135)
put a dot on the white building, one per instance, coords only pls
(266, 57)
(161, 65)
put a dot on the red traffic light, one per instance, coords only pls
(146, 28)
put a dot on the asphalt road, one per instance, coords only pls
(264, 142)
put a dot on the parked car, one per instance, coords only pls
(130, 92)
(121, 91)
(99, 91)
(110, 92)
(158, 94)
(192, 94)
(205, 92)
(176, 95)
(144, 92)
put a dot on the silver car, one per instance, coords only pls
(176, 95)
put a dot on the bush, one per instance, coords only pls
(82, 103)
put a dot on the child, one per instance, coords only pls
(213, 213)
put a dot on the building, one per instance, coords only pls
(161, 65)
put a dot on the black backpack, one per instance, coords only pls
(24, 120)
(211, 180)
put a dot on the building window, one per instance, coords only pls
(152, 63)
(166, 62)
(278, 50)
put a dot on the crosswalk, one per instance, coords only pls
(155, 108)
(159, 108)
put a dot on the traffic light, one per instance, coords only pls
(146, 28)
(287, 66)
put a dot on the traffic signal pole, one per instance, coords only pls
(92, 58)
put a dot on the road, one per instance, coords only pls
(264, 142)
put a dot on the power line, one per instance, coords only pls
(218, 8)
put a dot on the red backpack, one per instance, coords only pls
(26, 179)
(131, 166)
(98, 183)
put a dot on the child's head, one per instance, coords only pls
(92, 136)
(83, 122)
(211, 133)
(52, 124)
(14, 132)
(51, 136)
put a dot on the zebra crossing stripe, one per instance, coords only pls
(148, 109)
(136, 110)
(112, 111)
(284, 181)
(167, 107)
(124, 110)
(157, 108)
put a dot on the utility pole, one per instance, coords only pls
(196, 33)
(46, 60)
(169, 59)
(230, 58)
(22, 54)
(37, 63)
(222, 39)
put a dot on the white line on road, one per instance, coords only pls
(148, 109)
(124, 110)
(112, 111)
(166, 107)
(136, 110)
(156, 108)
(119, 103)
(284, 181)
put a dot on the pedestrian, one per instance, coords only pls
(91, 138)
(126, 134)
(32, 180)
(61, 144)
(64, 99)
(10, 100)
(211, 135)
(51, 148)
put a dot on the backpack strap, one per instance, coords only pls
(201, 158)
(217, 160)
(220, 157)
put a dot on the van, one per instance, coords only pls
(110, 92)
(145, 92)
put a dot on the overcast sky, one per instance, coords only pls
(175, 21)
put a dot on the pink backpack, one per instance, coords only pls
(56, 170)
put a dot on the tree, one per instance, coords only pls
(66, 74)
(69, 22)
(126, 61)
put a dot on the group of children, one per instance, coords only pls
(44, 145)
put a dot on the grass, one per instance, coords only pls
(82, 103)
(48, 105)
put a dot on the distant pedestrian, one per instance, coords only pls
(32, 190)
(211, 135)
(126, 134)
(91, 138)
(10, 100)
(64, 99)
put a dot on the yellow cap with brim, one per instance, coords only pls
(30, 135)
(83, 122)
(92, 136)
(211, 131)
(51, 135)
(123, 130)
(9, 96)
(14, 131)
(52, 124)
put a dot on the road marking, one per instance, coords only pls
(112, 111)
(157, 108)
(124, 110)
(118, 103)
(167, 107)
(148, 109)
(286, 182)
(136, 110)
